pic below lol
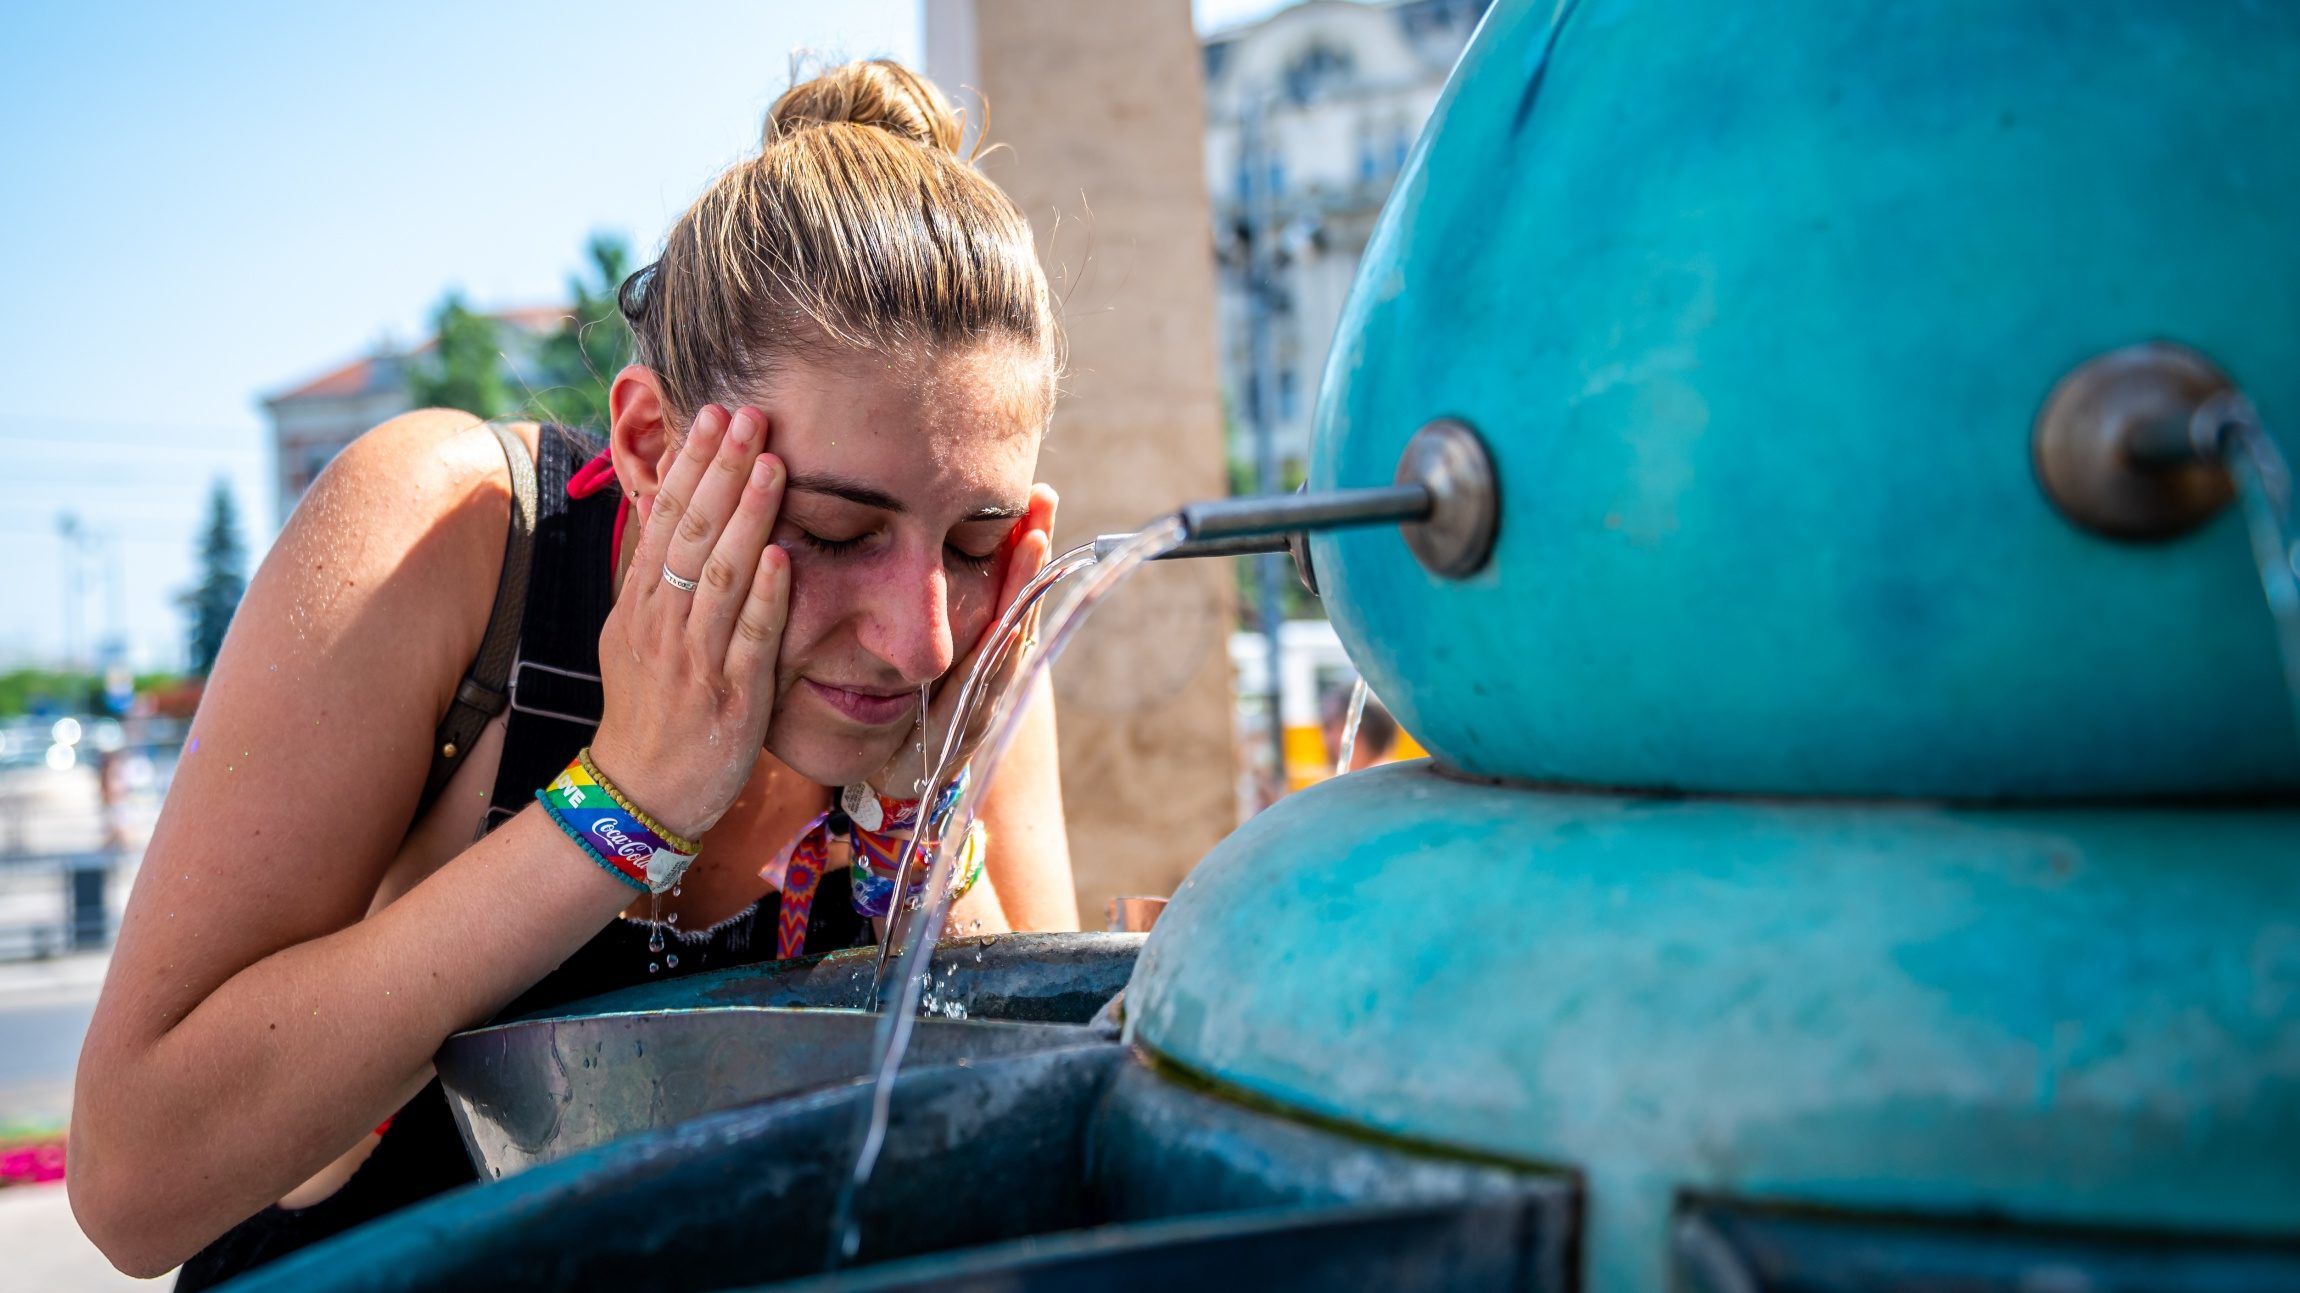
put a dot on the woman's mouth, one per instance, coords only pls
(869, 708)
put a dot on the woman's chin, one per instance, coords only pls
(829, 759)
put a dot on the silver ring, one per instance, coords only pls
(683, 585)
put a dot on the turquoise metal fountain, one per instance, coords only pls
(1862, 843)
(1823, 821)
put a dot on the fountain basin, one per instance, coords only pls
(531, 1092)
(549, 1084)
(1078, 1166)
(1032, 978)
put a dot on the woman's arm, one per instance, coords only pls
(253, 1025)
(1028, 864)
(251, 1022)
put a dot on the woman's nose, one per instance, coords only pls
(907, 623)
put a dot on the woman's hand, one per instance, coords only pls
(1027, 551)
(689, 677)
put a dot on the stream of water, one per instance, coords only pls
(1008, 702)
(1356, 715)
(998, 645)
(2264, 484)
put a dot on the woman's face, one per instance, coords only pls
(907, 480)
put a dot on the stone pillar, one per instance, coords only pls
(1100, 113)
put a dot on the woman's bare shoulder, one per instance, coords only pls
(417, 470)
(315, 731)
(412, 514)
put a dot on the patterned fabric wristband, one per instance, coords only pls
(677, 841)
(969, 862)
(612, 830)
(873, 881)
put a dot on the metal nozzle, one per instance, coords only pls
(2130, 443)
(1445, 499)
(1251, 545)
(1333, 509)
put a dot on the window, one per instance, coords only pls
(1316, 70)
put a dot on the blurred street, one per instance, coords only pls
(44, 1009)
(52, 818)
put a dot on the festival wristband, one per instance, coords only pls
(619, 837)
(969, 861)
(671, 837)
(873, 878)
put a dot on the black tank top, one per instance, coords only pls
(555, 704)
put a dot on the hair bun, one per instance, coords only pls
(876, 92)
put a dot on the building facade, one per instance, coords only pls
(313, 420)
(1310, 113)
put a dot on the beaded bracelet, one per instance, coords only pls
(632, 846)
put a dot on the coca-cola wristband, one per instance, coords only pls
(636, 848)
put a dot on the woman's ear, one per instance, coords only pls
(639, 432)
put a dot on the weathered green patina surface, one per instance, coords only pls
(2066, 1016)
(1755, 305)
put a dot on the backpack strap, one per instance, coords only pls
(483, 693)
(555, 696)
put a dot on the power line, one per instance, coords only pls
(140, 451)
(133, 428)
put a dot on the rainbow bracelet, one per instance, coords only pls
(873, 880)
(632, 846)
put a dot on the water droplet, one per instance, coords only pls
(671, 919)
(676, 890)
(672, 960)
(654, 967)
(655, 940)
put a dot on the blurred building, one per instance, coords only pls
(314, 420)
(1106, 159)
(1309, 115)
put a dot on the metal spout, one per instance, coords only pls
(1333, 509)
(2132, 443)
(1252, 545)
(1444, 499)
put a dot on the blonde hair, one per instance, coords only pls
(857, 226)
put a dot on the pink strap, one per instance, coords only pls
(592, 477)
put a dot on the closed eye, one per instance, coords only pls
(968, 559)
(847, 547)
(831, 547)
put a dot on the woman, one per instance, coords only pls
(846, 360)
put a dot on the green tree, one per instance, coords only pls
(223, 578)
(577, 362)
(464, 368)
(25, 690)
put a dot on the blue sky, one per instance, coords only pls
(206, 203)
